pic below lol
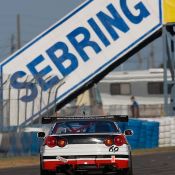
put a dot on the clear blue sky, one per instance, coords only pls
(38, 15)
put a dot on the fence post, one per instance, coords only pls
(1, 103)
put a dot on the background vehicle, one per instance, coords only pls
(81, 144)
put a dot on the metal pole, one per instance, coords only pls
(1, 104)
(18, 108)
(165, 70)
(25, 117)
(18, 32)
(41, 100)
(56, 92)
(48, 100)
(12, 47)
(33, 105)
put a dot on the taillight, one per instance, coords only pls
(51, 141)
(120, 140)
(108, 141)
(62, 142)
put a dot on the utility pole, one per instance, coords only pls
(152, 57)
(18, 31)
(12, 44)
(169, 66)
(1, 105)
(140, 60)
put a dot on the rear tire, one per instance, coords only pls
(128, 171)
(65, 170)
(43, 172)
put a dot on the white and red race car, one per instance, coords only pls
(77, 145)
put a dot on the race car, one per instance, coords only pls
(79, 145)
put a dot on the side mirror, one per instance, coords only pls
(40, 134)
(128, 132)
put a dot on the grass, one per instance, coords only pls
(12, 162)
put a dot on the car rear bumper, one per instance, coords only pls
(52, 165)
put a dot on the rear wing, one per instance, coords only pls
(115, 118)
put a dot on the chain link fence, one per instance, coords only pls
(146, 111)
(15, 112)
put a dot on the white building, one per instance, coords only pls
(147, 86)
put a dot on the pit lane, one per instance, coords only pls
(152, 164)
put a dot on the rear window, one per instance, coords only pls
(74, 127)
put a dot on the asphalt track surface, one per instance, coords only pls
(154, 164)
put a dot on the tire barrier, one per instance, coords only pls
(166, 131)
(23, 143)
(5, 143)
(146, 133)
(173, 133)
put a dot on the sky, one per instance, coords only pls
(37, 15)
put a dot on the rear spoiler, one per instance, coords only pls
(115, 118)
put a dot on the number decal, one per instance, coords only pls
(113, 149)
